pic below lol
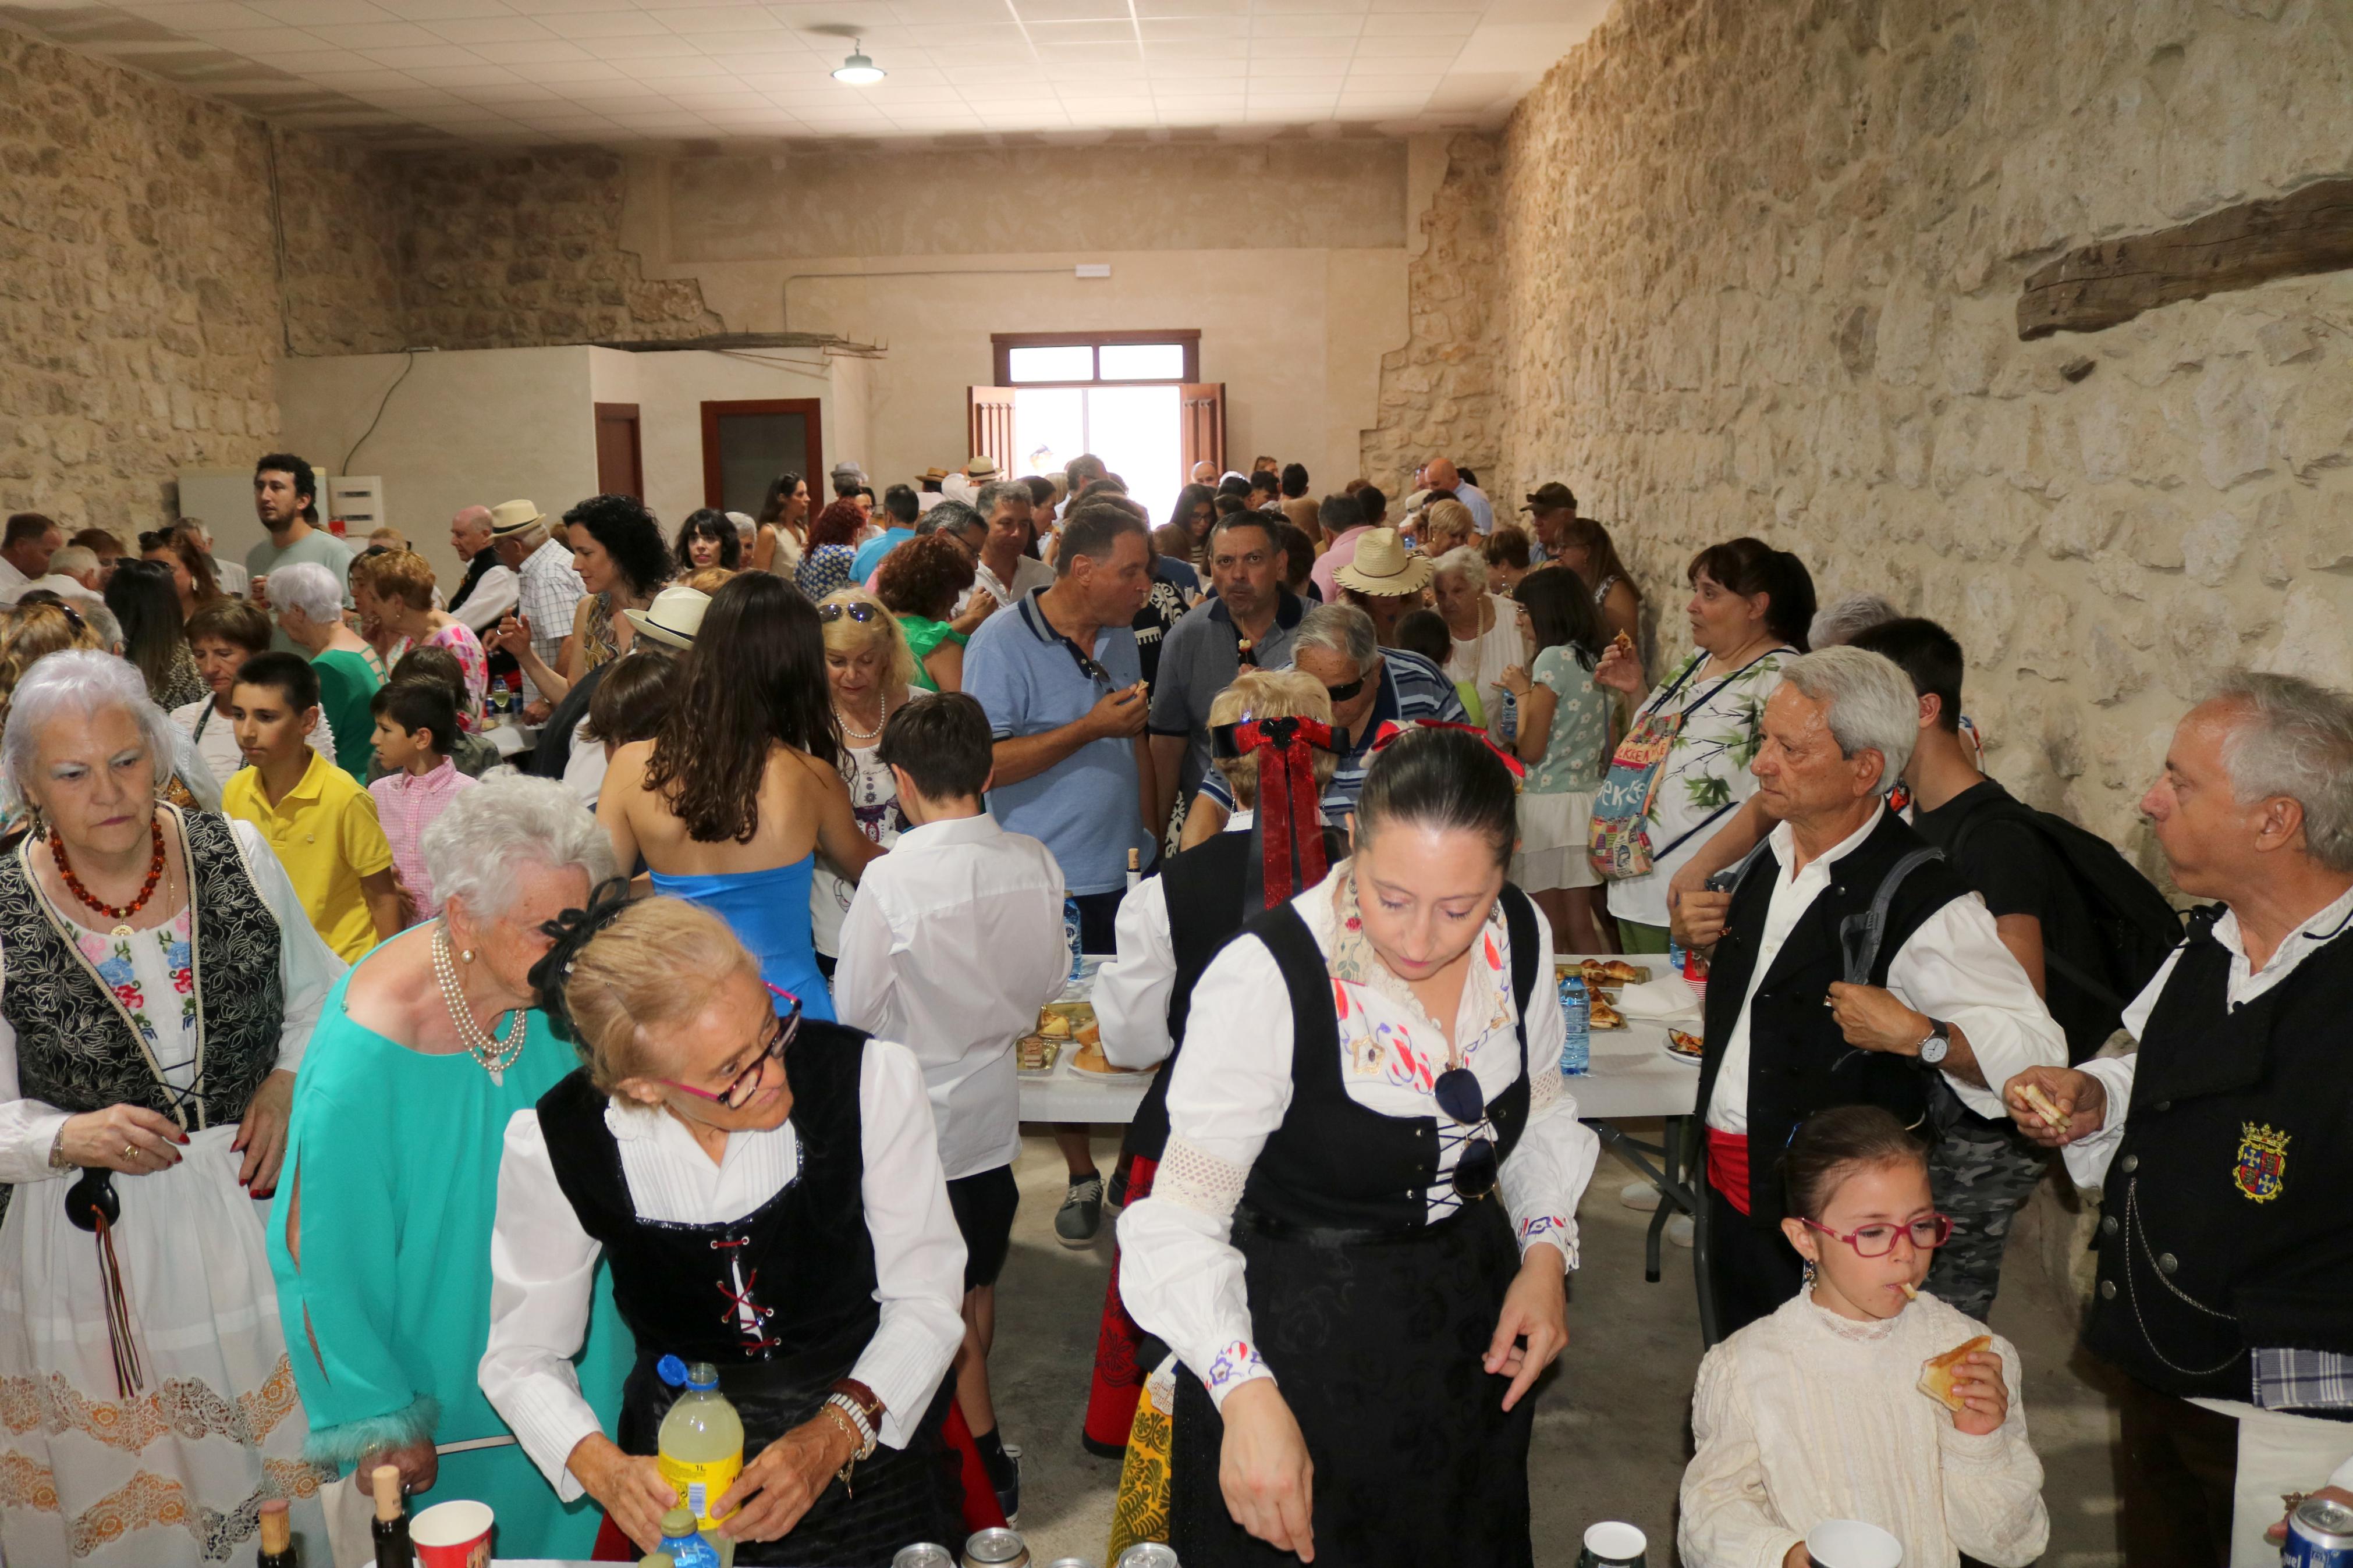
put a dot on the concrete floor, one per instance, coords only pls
(1613, 1431)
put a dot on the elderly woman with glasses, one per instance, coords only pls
(161, 980)
(381, 1241)
(718, 1147)
(1392, 1130)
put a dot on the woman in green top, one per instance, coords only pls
(381, 1236)
(1562, 735)
(920, 583)
(310, 605)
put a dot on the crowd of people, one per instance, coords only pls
(444, 1002)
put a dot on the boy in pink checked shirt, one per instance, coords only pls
(415, 724)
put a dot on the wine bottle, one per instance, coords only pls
(1135, 868)
(390, 1525)
(277, 1537)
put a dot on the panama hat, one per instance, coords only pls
(674, 617)
(982, 466)
(1384, 567)
(510, 518)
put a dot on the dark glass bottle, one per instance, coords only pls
(390, 1525)
(277, 1537)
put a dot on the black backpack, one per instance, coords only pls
(2132, 926)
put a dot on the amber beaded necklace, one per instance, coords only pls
(112, 913)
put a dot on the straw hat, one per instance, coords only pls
(982, 466)
(673, 618)
(933, 474)
(1384, 567)
(510, 518)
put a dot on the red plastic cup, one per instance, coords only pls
(452, 1535)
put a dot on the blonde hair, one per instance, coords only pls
(710, 580)
(1446, 524)
(843, 635)
(655, 965)
(402, 575)
(28, 634)
(1270, 694)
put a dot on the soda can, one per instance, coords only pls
(995, 1549)
(1148, 1554)
(1070, 1562)
(2319, 1535)
(923, 1554)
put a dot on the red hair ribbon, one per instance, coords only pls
(1389, 731)
(1289, 811)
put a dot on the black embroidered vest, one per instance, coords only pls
(2224, 1227)
(77, 1049)
(1798, 1060)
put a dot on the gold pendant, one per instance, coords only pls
(120, 930)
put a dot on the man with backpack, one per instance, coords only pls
(2087, 927)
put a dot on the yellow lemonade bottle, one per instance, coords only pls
(701, 1446)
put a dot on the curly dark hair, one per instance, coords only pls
(709, 522)
(630, 536)
(924, 576)
(754, 676)
(837, 524)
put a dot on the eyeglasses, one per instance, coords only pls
(857, 610)
(1340, 694)
(1460, 1096)
(1928, 1232)
(744, 1084)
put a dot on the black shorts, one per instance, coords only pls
(984, 1205)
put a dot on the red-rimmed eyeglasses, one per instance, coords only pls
(744, 1084)
(1927, 1232)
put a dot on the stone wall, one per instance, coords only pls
(1438, 391)
(524, 249)
(1758, 270)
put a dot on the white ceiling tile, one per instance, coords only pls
(313, 64)
(1306, 27)
(442, 10)
(582, 75)
(322, 13)
(491, 30)
(567, 8)
(409, 58)
(1119, 32)
(651, 46)
(663, 68)
(1421, 24)
(552, 52)
(607, 24)
(1376, 47)
(1294, 7)
(256, 42)
(461, 76)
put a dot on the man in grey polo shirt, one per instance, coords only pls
(1249, 622)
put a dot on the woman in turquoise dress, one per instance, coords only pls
(730, 805)
(381, 1237)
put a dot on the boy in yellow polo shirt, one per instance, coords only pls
(319, 821)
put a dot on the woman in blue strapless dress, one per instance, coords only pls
(732, 802)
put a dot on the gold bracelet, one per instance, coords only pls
(856, 1444)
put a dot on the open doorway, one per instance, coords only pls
(1123, 397)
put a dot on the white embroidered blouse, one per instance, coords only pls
(1180, 1275)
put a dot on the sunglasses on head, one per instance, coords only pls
(1460, 1096)
(857, 610)
(744, 1084)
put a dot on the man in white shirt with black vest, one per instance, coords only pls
(1787, 1033)
(2225, 1290)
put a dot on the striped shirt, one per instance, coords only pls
(406, 803)
(1412, 689)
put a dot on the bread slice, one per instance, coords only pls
(1937, 1378)
(2041, 1105)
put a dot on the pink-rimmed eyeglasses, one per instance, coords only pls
(744, 1084)
(1928, 1232)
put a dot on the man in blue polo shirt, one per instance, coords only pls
(1249, 622)
(1370, 686)
(1058, 675)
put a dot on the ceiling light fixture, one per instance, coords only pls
(858, 70)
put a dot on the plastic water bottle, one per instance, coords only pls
(1071, 936)
(700, 1452)
(1509, 724)
(681, 1546)
(1576, 1012)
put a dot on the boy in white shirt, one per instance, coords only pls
(953, 943)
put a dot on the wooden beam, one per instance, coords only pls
(2309, 230)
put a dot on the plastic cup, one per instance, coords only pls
(452, 1535)
(1612, 1544)
(1850, 1544)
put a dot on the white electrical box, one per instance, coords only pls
(358, 501)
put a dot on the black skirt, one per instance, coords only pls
(1378, 1347)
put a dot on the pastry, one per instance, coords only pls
(1620, 972)
(1622, 642)
(1936, 1378)
(1054, 1026)
(1601, 1014)
(2040, 1103)
(1034, 1053)
(1090, 1058)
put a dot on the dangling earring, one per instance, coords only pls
(1811, 1276)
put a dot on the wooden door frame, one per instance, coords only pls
(714, 479)
(1002, 344)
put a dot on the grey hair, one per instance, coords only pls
(1464, 561)
(950, 517)
(310, 588)
(996, 490)
(2298, 742)
(476, 846)
(82, 682)
(747, 527)
(1868, 701)
(1842, 620)
(102, 623)
(71, 559)
(1343, 629)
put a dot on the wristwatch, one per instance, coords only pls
(1937, 1044)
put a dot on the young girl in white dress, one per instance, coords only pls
(1816, 1413)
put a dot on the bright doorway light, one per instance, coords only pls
(1137, 431)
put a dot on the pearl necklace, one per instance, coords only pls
(494, 1056)
(883, 702)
